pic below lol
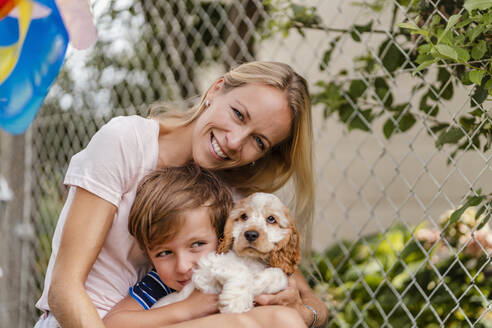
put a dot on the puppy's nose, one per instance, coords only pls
(251, 235)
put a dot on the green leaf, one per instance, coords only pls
(388, 128)
(486, 218)
(357, 88)
(438, 127)
(443, 75)
(447, 92)
(383, 92)
(477, 4)
(476, 76)
(393, 57)
(464, 22)
(477, 112)
(423, 66)
(488, 84)
(409, 26)
(424, 48)
(473, 33)
(479, 50)
(361, 120)
(406, 122)
(472, 201)
(463, 54)
(450, 136)
(447, 51)
(480, 212)
(357, 30)
(452, 21)
(478, 96)
(484, 221)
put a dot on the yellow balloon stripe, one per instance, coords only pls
(9, 55)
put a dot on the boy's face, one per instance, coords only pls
(174, 259)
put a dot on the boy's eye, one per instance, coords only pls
(259, 142)
(164, 253)
(271, 219)
(244, 217)
(197, 244)
(238, 114)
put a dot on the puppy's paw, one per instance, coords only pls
(270, 281)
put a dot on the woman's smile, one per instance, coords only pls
(216, 149)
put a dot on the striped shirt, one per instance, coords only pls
(149, 290)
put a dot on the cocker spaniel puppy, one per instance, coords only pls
(259, 250)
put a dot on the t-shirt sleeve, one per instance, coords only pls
(108, 165)
(149, 290)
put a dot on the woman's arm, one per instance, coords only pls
(258, 317)
(297, 295)
(129, 314)
(87, 224)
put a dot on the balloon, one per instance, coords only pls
(78, 20)
(33, 43)
(6, 6)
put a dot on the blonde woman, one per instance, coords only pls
(252, 127)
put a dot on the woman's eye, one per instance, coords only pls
(260, 143)
(271, 220)
(238, 114)
(244, 217)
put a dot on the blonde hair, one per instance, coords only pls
(290, 158)
(164, 194)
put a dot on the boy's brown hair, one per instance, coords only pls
(163, 195)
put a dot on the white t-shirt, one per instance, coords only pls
(111, 166)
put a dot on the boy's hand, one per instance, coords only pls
(202, 304)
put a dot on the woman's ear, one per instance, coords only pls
(215, 88)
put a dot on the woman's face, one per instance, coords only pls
(240, 126)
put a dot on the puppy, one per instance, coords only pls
(260, 248)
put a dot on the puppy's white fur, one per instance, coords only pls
(245, 270)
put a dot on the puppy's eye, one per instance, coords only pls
(244, 217)
(271, 220)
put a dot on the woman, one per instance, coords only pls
(252, 126)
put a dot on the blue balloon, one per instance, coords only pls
(40, 60)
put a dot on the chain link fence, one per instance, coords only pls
(393, 149)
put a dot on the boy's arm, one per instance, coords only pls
(128, 313)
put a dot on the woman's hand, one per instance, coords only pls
(290, 297)
(296, 296)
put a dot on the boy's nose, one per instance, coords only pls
(184, 264)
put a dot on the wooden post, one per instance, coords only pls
(12, 159)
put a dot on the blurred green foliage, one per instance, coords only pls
(400, 279)
(445, 43)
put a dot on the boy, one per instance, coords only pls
(178, 216)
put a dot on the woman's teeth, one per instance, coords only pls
(217, 149)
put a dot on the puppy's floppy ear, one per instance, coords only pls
(225, 243)
(287, 254)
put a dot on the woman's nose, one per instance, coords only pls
(236, 139)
